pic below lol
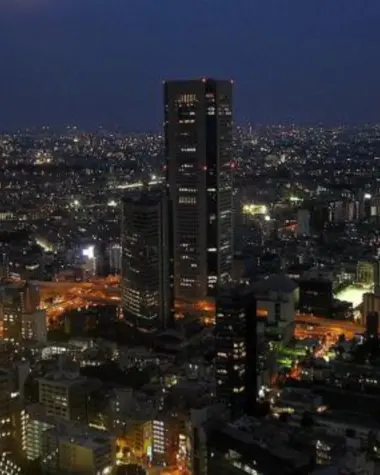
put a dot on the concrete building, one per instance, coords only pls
(64, 395)
(66, 448)
(88, 453)
(371, 304)
(34, 326)
(199, 167)
(195, 451)
(35, 422)
(276, 299)
(303, 223)
(16, 301)
(251, 446)
(367, 273)
(128, 411)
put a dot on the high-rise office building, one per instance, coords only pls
(115, 258)
(6, 426)
(199, 168)
(236, 349)
(145, 285)
(4, 265)
(17, 301)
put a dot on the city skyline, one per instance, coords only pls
(292, 63)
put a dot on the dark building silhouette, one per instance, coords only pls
(4, 265)
(145, 288)
(199, 167)
(237, 450)
(236, 349)
(372, 325)
(316, 295)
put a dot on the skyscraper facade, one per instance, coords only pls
(199, 168)
(145, 284)
(236, 348)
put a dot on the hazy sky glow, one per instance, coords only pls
(102, 61)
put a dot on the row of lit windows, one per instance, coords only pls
(187, 200)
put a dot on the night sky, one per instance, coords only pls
(102, 62)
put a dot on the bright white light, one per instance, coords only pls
(153, 177)
(367, 196)
(89, 252)
(112, 203)
(267, 218)
(352, 294)
(76, 203)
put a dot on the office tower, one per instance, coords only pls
(16, 301)
(6, 426)
(115, 258)
(145, 285)
(102, 267)
(4, 265)
(199, 168)
(236, 349)
(303, 223)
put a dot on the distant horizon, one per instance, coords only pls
(125, 130)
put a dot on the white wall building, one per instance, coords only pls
(276, 299)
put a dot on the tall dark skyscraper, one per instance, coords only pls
(236, 349)
(145, 285)
(199, 167)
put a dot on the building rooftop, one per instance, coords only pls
(89, 439)
(276, 283)
(144, 198)
(348, 418)
(269, 443)
(63, 378)
(298, 395)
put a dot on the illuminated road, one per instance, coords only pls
(325, 331)
(320, 327)
(60, 297)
